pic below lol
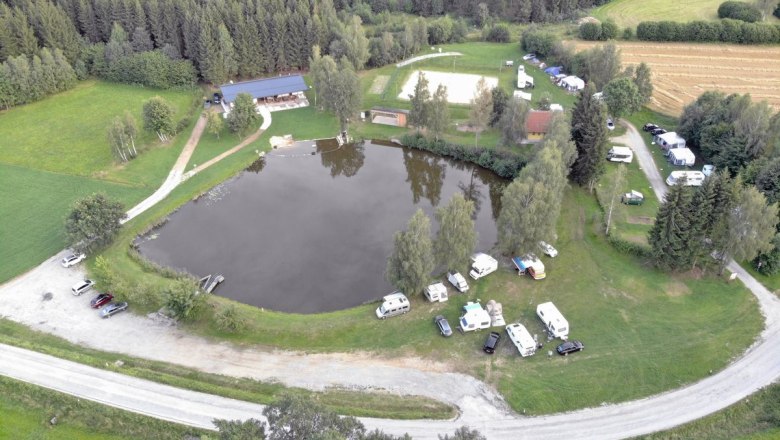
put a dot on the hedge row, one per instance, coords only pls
(726, 30)
(506, 163)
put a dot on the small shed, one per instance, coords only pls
(389, 116)
(573, 83)
(668, 141)
(682, 157)
(536, 124)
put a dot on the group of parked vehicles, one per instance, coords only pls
(103, 301)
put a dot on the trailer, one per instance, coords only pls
(519, 336)
(457, 280)
(554, 322)
(531, 265)
(474, 317)
(436, 293)
(482, 265)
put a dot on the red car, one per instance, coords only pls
(101, 300)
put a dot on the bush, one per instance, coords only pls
(628, 34)
(498, 34)
(628, 247)
(590, 31)
(739, 11)
(229, 320)
(537, 41)
(726, 30)
(183, 299)
(609, 30)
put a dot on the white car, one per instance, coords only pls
(528, 56)
(548, 249)
(707, 170)
(73, 259)
(81, 287)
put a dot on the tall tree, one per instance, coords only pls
(420, 101)
(410, 265)
(481, 106)
(589, 132)
(456, 238)
(643, 79)
(622, 97)
(93, 222)
(500, 101)
(669, 235)
(214, 123)
(244, 115)
(346, 96)
(355, 43)
(439, 115)
(512, 123)
(158, 117)
(523, 220)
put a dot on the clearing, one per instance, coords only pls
(682, 72)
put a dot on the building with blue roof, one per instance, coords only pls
(266, 89)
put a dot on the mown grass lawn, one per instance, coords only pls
(54, 151)
(631, 12)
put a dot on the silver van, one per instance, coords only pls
(82, 286)
(393, 305)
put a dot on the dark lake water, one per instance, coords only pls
(307, 233)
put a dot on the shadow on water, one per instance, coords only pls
(308, 228)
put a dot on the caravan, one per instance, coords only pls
(687, 178)
(620, 154)
(521, 338)
(393, 305)
(474, 317)
(530, 264)
(683, 157)
(481, 265)
(457, 280)
(436, 292)
(553, 321)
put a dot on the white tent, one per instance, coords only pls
(682, 157)
(522, 95)
(572, 83)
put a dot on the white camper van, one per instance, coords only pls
(474, 317)
(687, 178)
(553, 321)
(393, 305)
(620, 154)
(436, 292)
(481, 265)
(457, 280)
(522, 339)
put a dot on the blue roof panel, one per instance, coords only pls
(265, 87)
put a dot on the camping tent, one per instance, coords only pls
(572, 83)
(554, 70)
(522, 95)
(682, 157)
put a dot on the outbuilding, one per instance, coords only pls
(682, 157)
(389, 116)
(267, 90)
(536, 124)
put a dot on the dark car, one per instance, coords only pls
(649, 127)
(657, 131)
(112, 309)
(443, 325)
(217, 99)
(491, 343)
(101, 300)
(569, 347)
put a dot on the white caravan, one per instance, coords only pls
(553, 321)
(522, 339)
(392, 305)
(620, 154)
(436, 292)
(687, 178)
(474, 317)
(457, 280)
(481, 265)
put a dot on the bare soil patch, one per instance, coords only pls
(682, 71)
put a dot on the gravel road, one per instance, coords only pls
(22, 300)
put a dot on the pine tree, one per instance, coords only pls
(141, 41)
(589, 132)
(418, 115)
(226, 65)
(410, 265)
(456, 238)
(670, 235)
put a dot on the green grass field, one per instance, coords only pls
(55, 152)
(629, 13)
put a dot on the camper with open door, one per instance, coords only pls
(553, 320)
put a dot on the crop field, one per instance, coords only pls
(682, 72)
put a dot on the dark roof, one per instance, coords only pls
(265, 87)
(390, 110)
(538, 121)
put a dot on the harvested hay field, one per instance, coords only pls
(682, 72)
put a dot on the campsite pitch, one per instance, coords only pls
(460, 86)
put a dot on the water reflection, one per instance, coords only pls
(290, 236)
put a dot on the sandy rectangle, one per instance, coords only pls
(460, 86)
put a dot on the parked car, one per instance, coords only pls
(443, 325)
(633, 198)
(649, 127)
(73, 259)
(569, 347)
(82, 286)
(528, 56)
(491, 343)
(217, 98)
(548, 249)
(610, 124)
(657, 131)
(101, 300)
(707, 170)
(112, 309)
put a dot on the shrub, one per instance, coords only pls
(726, 30)
(183, 299)
(229, 320)
(590, 31)
(538, 41)
(739, 11)
(609, 30)
(498, 34)
(628, 34)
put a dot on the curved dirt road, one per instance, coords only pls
(480, 407)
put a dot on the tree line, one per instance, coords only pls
(26, 79)
(725, 31)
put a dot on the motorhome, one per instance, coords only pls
(553, 321)
(457, 280)
(393, 305)
(522, 339)
(436, 293)
(687, 178)
(530, 264)
(620, 154)
(474, 317)
(481, 265)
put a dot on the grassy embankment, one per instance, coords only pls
(54, 151)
